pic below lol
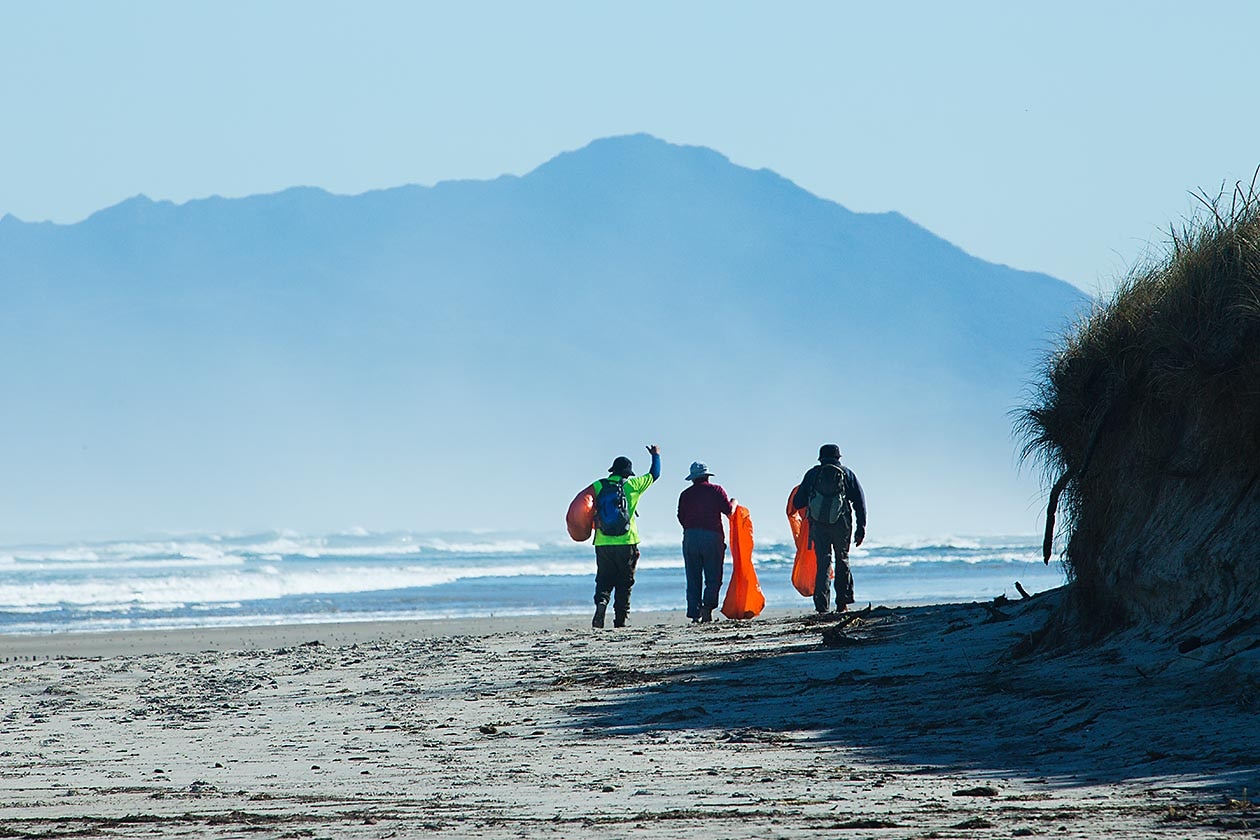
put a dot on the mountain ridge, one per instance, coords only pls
(640, 139)
(242, 332)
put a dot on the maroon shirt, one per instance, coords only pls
(702, 506)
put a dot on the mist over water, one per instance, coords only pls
(274, 578)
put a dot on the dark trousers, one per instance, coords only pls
(703, 555)
(828, 539)
(614, 572)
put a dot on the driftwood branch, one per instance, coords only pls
(995, 614)
(1052, 508)
(849, 618)
(1023, 593)
(1047, 544)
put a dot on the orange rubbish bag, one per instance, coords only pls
(581, 516)
(744, 598)
(805, 568)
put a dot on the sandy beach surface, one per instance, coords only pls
(914, 722)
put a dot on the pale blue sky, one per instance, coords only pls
(1061, 138)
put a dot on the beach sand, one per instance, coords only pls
(910, 722)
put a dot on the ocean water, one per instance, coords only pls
(280, 578)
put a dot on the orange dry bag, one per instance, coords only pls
(744, 598)
(805, 569)
(581, 515)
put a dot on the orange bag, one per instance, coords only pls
(744, 598)
(805, 569)
(581, 516)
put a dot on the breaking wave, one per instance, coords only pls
(282, 576)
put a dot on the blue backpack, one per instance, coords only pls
(612, 510)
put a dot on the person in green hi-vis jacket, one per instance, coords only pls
(617, 535)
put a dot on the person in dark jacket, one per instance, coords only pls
(700, 510)
(831, 519)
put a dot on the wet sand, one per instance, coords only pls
(912, 722)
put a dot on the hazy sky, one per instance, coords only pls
(1062, 138)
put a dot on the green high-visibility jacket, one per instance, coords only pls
(634, 487)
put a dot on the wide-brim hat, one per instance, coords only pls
(698, 470)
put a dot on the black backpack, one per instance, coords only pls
(828, 498)
(612, 511)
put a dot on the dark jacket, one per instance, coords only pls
(702, 506)
(852, 490)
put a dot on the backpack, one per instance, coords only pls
(828, 498)
(612, 511)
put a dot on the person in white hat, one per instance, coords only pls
(700, 510)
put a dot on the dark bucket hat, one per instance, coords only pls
(621, 466)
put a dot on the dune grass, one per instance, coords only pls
(1148, 402)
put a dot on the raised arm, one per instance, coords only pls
(655, 472)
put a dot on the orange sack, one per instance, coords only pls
(581, 515)
(744, 598)
(805, 569)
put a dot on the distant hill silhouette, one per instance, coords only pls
(472, 354)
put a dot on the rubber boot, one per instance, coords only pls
(598, 620)
(620, 619)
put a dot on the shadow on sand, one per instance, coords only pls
(938, 687)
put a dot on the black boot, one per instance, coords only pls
(619, 620)
(598, 620)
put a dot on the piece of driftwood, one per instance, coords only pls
(995, 614)
(1192, 643)
(983, 790)
(835, 637)
(1023, 593)
(848, 618)
(1052, 507)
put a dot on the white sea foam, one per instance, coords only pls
(485, 547)
(213, 550)
(267, 583)
(218, 572)
(913, 543)
(161, 564)
(860, 557)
